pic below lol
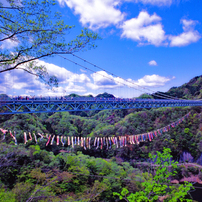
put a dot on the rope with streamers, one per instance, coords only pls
(99, 142)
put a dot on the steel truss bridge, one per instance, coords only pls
(41, 106)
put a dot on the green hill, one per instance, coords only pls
(190, 90)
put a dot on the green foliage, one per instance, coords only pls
(185, 137)
(73, 176)
(189, 90)
(16, 157)
(6, 196)
(36, 149)
(145, 96)
(105, 95)
(35, 20)
(122, 195)
(186, 130)
(159, 186)
(22, 190)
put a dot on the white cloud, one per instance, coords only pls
(89, 93)
(20, 82)
(153, 80)
(188, 36)
(62, 90)
(156, 2)
(102, 80)
(82, 70)
(3, 89)
(19, 85)
(67, 80)
(145, 29)
(96, 13)
(5, 3)
(152, 63)
(26, 83)
(185, 38)
(110, 82)
(188, 24)
(74, 88)
(64, 75)
(29, 91)
(8, 44)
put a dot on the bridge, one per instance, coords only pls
(14, 106)
(19, 105)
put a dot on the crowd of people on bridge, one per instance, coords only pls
(70, 98)
(67, 98)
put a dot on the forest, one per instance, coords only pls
(37, 170)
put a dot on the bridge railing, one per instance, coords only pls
(54, 98)
(80, 99)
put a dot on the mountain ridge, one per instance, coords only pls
(190, 90)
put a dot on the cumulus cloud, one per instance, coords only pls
(110, 82)
(27, 84)
(152, 63)
(64, 75)
(145, 29)
(102, 80)
(188, 36)
(96, 13)
(153, 80)
(20, 81)
(74, 88)
(63, 90)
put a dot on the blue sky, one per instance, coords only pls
(153, 44)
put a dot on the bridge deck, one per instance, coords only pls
(46, 105)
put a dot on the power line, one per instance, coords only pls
(161, 96)
(168, 96)
(96, 72)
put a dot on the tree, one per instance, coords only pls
(6, 196)
(33, 31)
(159, 186)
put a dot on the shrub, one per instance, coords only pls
(193, 170)
(200, 176)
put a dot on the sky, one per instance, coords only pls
(147, 45)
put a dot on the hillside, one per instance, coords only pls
(45, 172)
(190, 90)
(121, 122)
